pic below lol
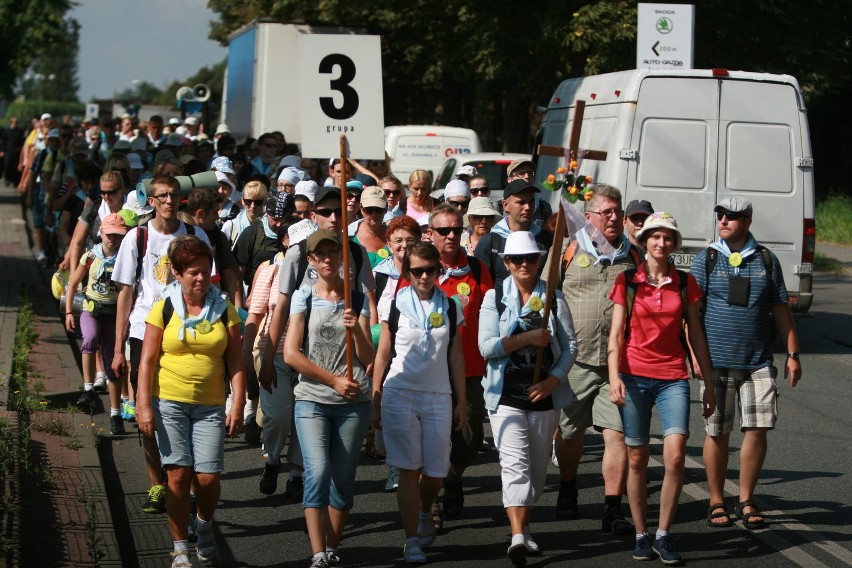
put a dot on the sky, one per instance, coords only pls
(159, 41)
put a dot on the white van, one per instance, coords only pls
(686, 139)
(425, 147)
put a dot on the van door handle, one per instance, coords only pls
(628, 154)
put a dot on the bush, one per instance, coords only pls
(834, 219)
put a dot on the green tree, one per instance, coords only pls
(28, 30)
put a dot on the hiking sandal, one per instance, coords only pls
(746, 517)
(718, 514)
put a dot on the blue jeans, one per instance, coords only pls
(671, 397)
(331, 436)
(190, 435)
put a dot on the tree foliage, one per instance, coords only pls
(487, 65)
(29, 30)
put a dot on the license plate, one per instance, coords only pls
(804, 269)
(683, 260)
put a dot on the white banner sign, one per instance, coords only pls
(664, 36)
(340, 85)
(92, 111)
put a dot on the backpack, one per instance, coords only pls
(357, 256)
(142, 245)
(631, 286)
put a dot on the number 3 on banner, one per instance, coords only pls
(341, 85)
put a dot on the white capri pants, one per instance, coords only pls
(524, 440)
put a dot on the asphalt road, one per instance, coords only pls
(804, 490)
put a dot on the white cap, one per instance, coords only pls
(300, 231)
(222, 177)
(457, 188)
(308, 188)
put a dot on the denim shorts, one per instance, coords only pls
(671, 397)
(331, 436)
(190, 435)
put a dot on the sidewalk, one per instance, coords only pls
(52, 524)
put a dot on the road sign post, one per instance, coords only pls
(665, 36)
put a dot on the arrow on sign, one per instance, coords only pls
(654, 49)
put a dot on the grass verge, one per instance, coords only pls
(834, 219)
(824, 263)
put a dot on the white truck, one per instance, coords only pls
(262, 78)
(686, 139)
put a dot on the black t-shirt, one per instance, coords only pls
(518, 373)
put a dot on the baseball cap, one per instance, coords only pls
(518, 186)
(326, 191)
(735, 204)
(466, 170)
(320, 235)
(637, 206)
(191, 121)
(113, 224)
(53, 133)
(222, 177)
(79, 146)
(373, 197)
(517, 164)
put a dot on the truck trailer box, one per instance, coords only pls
(262, 78)
(686, 139)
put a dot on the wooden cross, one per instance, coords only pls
(571, 152)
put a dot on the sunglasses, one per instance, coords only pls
(637, 219)
(519, 259)
(480, 191)
(328, 212)
(393, 192)
(113, 192)
(459, 204)
(374, 210)
(731, 215)
(445, 231)
(255, 202)
(421, 270)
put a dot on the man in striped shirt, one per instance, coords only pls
(744, 292)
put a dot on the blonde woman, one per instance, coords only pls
(420, 203)
(254, 198)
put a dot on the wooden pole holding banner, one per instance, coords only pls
(559, 231)
(347, 292)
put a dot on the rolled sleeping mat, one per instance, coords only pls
(187, 184)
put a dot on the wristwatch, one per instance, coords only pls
(793, 355)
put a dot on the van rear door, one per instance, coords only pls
(760, 139)
(672, 155)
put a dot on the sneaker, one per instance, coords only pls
(532, 546)
(664, 546)
(518, 554)
(413, 553)
(453, 498)
(88, 400)
(643, 549)
(566, 502)
(252, 431)
(116, 425)
(269, 479)
(333, 558)
(129, 411)
(393, 479)
(156, 502)
(614, 522)
(180, 559)
(295, 488)
(553, 459)
(205, 546)
(100, 381)
(319, 563)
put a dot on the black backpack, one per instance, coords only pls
(142, 245)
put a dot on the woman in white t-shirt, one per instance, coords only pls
(413, 401)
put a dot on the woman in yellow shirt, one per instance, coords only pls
(191, 337)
